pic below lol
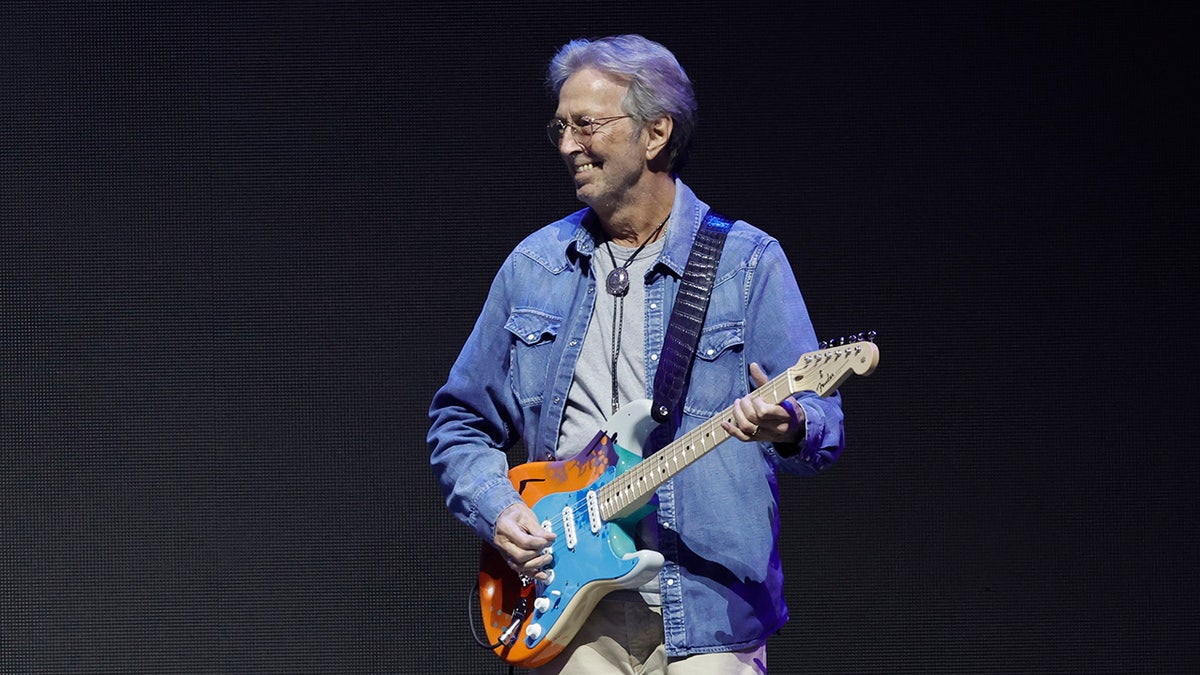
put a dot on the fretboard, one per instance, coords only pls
(820, 372)
(632, 488)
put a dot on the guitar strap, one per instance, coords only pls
(691, 303)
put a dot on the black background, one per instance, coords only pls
(242, 243)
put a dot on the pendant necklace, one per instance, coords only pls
(617, 282)
(617, 285)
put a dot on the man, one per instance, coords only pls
(572, 330)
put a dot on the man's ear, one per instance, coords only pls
(657, 135)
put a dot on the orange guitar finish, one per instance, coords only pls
(500, 588)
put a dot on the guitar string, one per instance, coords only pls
(630, 478)
(677, 456)
(775, 390)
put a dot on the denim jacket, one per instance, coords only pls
(718, 524)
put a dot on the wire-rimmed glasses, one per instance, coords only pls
(583, 129)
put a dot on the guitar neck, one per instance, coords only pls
(821, 372)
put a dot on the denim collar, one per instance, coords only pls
(686, 214)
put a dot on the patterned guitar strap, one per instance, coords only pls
(691, 303)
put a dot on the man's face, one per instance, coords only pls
(605, 165)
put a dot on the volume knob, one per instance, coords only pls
(533, 632)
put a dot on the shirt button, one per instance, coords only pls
(654, 305)
(670, 582)
(654, 357)
(574, 342)
(532, 336)
(711, 352)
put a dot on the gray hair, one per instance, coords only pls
(658, 86)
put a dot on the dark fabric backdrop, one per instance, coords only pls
(241, 244)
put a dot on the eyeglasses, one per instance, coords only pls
(583, 129)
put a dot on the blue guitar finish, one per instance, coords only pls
(533, 620)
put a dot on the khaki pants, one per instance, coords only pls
(625, 637)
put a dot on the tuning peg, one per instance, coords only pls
(866, 336)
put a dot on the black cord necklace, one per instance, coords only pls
(617, 285)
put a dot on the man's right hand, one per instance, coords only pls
(522, 541)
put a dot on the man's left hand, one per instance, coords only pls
(756, 419)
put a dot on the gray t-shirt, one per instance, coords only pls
(590, 399)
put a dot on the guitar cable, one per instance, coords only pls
(473, 601)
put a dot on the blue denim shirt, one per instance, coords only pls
(722, 586)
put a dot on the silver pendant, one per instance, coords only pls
(617, 282)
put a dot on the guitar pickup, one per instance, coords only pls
(593, 507)
(572, 537)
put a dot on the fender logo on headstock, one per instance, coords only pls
(824, 378)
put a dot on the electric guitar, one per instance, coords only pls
(593, 500)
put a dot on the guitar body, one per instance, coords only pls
(533, 622)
